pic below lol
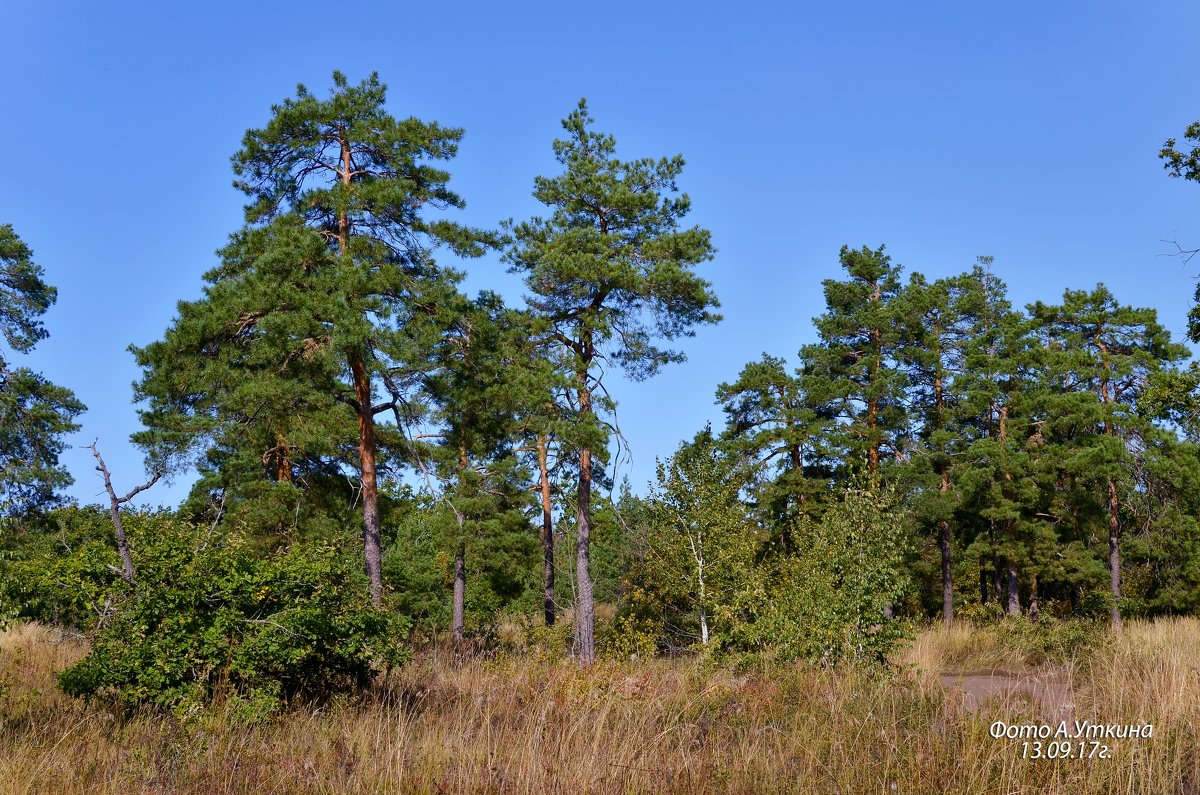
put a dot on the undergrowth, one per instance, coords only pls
(532, 721)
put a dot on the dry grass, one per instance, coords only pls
(541, 725)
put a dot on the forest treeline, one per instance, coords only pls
(384, 460)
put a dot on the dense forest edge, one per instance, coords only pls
(405, 521)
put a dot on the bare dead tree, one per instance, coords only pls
(115, 503)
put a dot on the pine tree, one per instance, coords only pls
(943, 321)
(244, 384)
(998, 493)
(610, 271)
(1100, 356)
(771, 422)
(477, 387)
(34, 413)
(344, 297)
(853, 369)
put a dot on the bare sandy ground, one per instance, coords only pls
(1051, 690)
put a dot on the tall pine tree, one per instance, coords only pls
(338, 217)
(854, 368)
(34, 413)
(611, 272)
(771, 422)
(1100, 357)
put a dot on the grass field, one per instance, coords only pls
(526, 722)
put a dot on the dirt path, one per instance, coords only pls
(1051, 690)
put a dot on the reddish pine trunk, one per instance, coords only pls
(283, 467)
(372, 545)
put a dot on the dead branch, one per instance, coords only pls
(115, 503)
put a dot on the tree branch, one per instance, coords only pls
(115, 502)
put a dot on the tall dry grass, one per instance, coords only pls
(536, 724)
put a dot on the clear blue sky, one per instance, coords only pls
(1023, 130)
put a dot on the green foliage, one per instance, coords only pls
(610, 276)
(34, 413)
(772, 422)
(1186, 165)
(1051, 640)
(211, 618)
(324, 310)
(61, 567)
(828, 601)
(611, 269)
(418, 567)
(1097, 357)
(995, 641)
(853, 370)
(694, 573)
(630, 637)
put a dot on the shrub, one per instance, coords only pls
(58, 568)
(210, 618)
(829, 600)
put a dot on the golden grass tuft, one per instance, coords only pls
(537, 724)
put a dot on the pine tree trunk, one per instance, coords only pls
(999, 565)
(1014, 596)
(984, 591)
(585, 605)
(1033, 597)
(460, 593)
(372, 545)
(947, 576)
(547, 536)
(283, 467)
(947, 571)
(1114, 552)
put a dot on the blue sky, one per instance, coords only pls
(1026, 131)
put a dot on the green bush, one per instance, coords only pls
(212, 618)
(628, 637)
(1051, 640)
(829, 599)
(59, 567)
